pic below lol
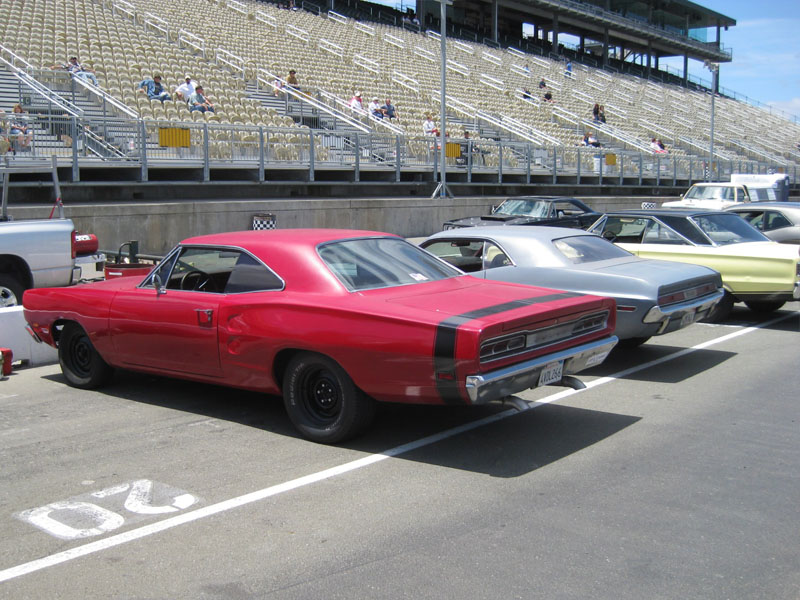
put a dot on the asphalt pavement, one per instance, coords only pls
(674, 475)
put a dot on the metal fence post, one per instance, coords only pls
(641, 168)
(658, 170)
(397, 157)
(578, 167)
(310, 155)
(357, 174)
(260, 153)
(469, 161)
(555, 164)
(674, 171)
(76, 175)
(500, 163)
(621, 169)
(206, 168)
(143, 149)
(527, 163)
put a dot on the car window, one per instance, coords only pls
(728, 229)
(659, 233)
(566, 208)
(251, 275)
(710, 192)
(202, 269)
(371, 263)
(467, 255)
(754, 217)
(493, 256)
(625, 230)
(524, 207)
(776, 220)
(588, 248)
(687, 229)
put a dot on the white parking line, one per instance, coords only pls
(226, 505)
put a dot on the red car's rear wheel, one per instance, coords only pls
(322, 401)
(83, 367)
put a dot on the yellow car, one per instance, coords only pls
(755, 270)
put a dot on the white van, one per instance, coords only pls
(764, 188)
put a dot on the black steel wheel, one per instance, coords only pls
(764, 306)
(10, 291)
(322, 401)
(83, 367)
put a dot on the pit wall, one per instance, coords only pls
(158, 226)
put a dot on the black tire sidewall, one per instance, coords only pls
(351, 418)
(99, 371)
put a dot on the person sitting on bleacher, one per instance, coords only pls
(375, 110)
(199, 102)
(542, 84)
(389, 110)
(428, 126)
(77, 70)
(18, 126)
(154, 89)
(592, 141)
(356, 103)
(186, 89)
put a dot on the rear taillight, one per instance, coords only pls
(72, 243)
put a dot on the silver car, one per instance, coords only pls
(653, 297)
(779, 221)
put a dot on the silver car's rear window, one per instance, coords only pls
(588, 248)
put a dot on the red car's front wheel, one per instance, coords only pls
(322, 401)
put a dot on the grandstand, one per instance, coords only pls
(239, 49)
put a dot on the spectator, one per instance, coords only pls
(18, 126)
(662, 147)
(542, 84)
(154, 89)
(199, 102)
(527, 69)
(356, 103)
(602, 114)
(596, 113)
(591, 140)
(548, 96)
(186, 89)
(389, 110)
(526, 95)
(585, 140)
(291, 80)
(74, 68)
(568, 69)
(375, 109)
(428, 126)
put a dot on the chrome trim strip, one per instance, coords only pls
(657, 313)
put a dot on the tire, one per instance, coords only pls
(722, 310)
(630, 343)
(764, 306)
(10, 291)
(322, 401)
(83, 367)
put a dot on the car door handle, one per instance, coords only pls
(204, 316)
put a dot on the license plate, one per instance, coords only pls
(687, 319)
(551, 373)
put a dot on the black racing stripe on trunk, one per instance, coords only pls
(444, 347)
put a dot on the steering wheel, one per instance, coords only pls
(199, 281)
(609, 235)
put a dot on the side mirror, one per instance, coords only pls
(159, 285)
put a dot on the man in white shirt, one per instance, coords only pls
(186, 89)
(356, 103)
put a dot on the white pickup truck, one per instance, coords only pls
(36, 253)
(713, 196)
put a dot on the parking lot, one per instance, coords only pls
(674, 475)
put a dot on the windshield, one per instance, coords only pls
(728, 229)
(523, 208)
(365, 264)
(710, 192)
(588, 248)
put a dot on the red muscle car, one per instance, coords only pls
(333, 320)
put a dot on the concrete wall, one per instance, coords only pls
(158, 226)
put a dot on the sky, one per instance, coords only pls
(766, 51)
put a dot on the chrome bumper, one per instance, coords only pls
(516, 378)
(693, 307)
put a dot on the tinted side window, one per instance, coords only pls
(776, 220)
(249, 275)
(688, 230)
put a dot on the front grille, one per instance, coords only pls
(525, 341)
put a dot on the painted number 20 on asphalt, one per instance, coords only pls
(99, 512)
